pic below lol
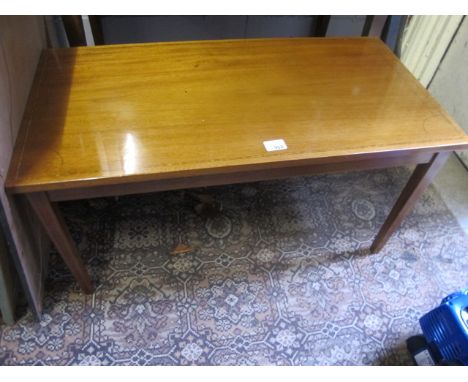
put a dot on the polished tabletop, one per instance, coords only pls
(124, 113)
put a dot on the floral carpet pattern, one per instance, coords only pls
(280, 273)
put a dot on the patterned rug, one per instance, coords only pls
(279, 273)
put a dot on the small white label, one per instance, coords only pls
(424, 359)
(275, 145)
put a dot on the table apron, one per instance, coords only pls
(235, 177)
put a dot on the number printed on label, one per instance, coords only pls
(275, 145)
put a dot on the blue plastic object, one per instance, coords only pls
(446, 329)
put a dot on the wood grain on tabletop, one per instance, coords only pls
(122, 113)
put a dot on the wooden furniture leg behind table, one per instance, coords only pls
(55, 226)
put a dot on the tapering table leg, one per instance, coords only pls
(55, 226)
(418, 182)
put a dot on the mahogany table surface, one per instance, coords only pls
(128, 113)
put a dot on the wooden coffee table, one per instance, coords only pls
(123, 119)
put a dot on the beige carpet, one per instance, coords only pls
(279, 274)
